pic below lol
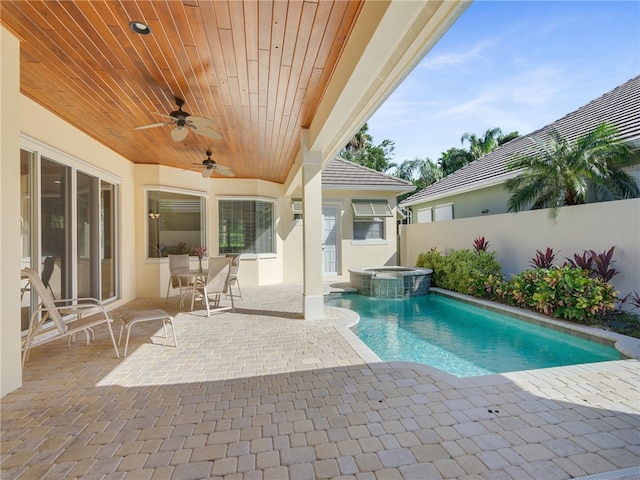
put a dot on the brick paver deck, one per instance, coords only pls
(262, 394)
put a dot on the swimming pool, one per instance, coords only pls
(462, 339)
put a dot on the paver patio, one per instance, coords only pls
(262, 394)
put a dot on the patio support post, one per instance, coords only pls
(10, 246)
(313, 302)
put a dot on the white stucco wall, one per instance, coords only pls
(361, 254)
(516, 237)
(10, 373)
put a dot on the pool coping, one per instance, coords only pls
(628, 347)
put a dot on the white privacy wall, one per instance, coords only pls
(516, 237)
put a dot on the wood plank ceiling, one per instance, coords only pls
(257, 69)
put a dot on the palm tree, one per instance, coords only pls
(357, 143)
(454, 159)
(492, 139)
(563, 173)
(429, 173)
(408, 169)
(479, 147)
(361, 150)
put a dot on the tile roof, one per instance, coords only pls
(343, 174)
(619, 107)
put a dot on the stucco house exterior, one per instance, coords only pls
(477, 189)
(358, 221)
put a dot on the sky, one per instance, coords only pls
(514, 65)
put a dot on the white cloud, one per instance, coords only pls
(456, 59)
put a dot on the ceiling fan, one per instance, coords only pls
(209, 166)
(184, 122)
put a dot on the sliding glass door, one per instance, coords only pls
(73, 243)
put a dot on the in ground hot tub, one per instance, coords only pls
(391, 282)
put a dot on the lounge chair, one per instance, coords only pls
(88, 313)
(210, 288)
(178, 263)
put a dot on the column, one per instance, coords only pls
(313, 301)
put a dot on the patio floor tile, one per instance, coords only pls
(262, 394)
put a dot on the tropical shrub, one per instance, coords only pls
(543, 259)
(583, 261)
(633, 298)
(434, 260)
(597, 264)
(480, 244)
(463, 271)
(565, 292)
(601, 263)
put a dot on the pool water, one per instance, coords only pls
(462, 339)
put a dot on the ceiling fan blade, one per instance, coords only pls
(207, 132)
(178, 134)
(198, 122)
(163, 115)
(223, 170)
(153, 125)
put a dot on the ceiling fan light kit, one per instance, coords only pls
(184, 122)
(209, 167)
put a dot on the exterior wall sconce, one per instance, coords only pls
(153, 214)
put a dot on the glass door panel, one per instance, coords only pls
(329, 240)
(54, 227)
(107, 240)
(26, 244)
(86, 236)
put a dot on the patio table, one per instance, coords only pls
(192, 274)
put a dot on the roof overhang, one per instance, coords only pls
(376, 59)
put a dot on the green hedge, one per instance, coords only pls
(462, 271)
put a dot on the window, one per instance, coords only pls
(424, 215)
(176, 223)
(443, 212)
(245, 226)
(368, 219)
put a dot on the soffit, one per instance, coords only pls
(257, 69)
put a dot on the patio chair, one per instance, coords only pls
(184, 283)
(233, 277)
(209, 289)
(88, 312)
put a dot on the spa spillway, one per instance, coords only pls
(391, 282)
